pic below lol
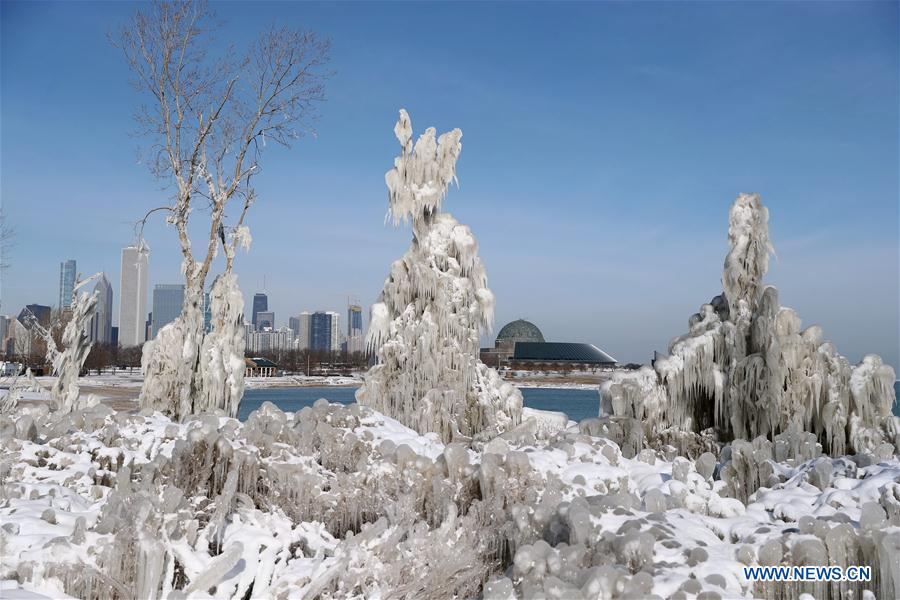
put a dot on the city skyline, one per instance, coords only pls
(597, 219)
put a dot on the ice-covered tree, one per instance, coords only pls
(209, 120)
(76, 345)
(425, 325)
(746, 369)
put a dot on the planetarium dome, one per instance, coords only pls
(520, 331)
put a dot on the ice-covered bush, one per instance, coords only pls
(747, 369)
(425, 325)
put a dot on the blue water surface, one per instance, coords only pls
(578, 404)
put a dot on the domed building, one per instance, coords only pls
(520, 344)
(520, 331)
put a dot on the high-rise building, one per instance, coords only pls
(41, 313)
(4, 331)
(133, 295)
(168, 300)
(26, 341)
(18, 339)
(269, 340)
(66, 283)
(101, 322)
(320, 331)
(302, 330)
(265, 319)
(336, 334)
(260, 304)
(355, 341)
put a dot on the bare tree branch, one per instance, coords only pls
(209, 120)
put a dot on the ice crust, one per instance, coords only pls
(747, 371)
(343, 502)
(425, 326)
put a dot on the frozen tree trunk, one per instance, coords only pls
(170, 363)
(188, 371)
(425, 325)
(746, 369)
(222, 352)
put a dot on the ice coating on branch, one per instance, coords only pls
(76, 345)
(425, 325)
(746, 369)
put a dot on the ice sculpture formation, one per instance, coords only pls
(425, 325)
(746, 370)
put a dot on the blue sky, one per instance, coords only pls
(602, 146)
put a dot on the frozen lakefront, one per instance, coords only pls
(337, 501)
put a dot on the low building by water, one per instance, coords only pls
(521, 345)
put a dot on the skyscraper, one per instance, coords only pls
(320, 331)
(265, 319)
(133, 294)
(260, 304)
(354, 328)
(101, 322)
(168, 299)
(66, 283)
(42, 314)
(336, 336)
(302, 330)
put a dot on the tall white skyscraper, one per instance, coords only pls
(101, 322)
(66, 283)
(133, 295)
(336, 335)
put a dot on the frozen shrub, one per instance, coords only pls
(746, 369)
(425, 326)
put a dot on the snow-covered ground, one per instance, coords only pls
(302, 381)
(112, 384)
(338, 501)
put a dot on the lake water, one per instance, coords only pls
(577, 403)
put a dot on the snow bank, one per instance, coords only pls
(341, 501)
